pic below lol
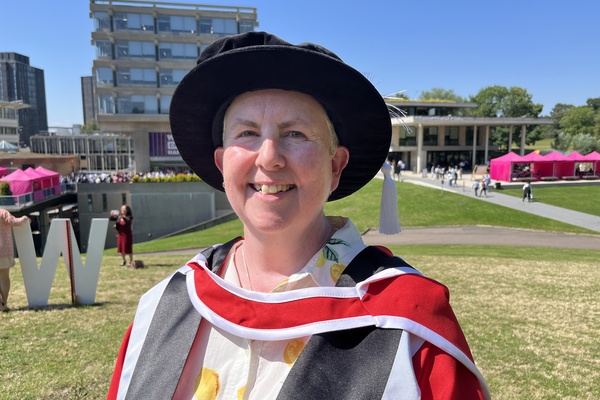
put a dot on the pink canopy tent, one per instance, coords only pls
(45, 182)
(40, 182)
(3, 171)
(556, 165)
(501, 167)
(594, 159)
(54, 178)
(19, 181)
(575, 156)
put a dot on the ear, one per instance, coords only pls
(338, 163)
(218, 154)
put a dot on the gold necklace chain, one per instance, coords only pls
(245, 265)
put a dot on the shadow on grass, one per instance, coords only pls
(59, 307)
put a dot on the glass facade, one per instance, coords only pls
(134, 22)
(104, 76)
(137, 104)
(171, 77)
(104, 49)
(131, 49)
(177, 25)
(136, 77)
(106, 104)
(102, 21)
(177, 51)
(430, 136)
(165, 103)
(218, 26)
(451, 136)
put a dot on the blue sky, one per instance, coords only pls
(548, 47)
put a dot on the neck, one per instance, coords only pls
(270, 259)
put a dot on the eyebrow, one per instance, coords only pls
(282, 125)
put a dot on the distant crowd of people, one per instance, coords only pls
(115, 177)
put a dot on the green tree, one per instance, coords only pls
(594, 103)
(557, 113)
(442, 95)
(584, 143)
(562, 142)
(90, 127)
(513, 102)
(578, 120)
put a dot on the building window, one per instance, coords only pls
(246, 25)
(430, 136)
(171, 77)
(104, 49)
(451, 136)
(123, 198)
(165, 103)
(218, 26)
(407, 137)
(136, 76)
(90, 203)
(137, 104)
(102, 22)
(106, 104)
(129, 49)
(104, 76)
(134, 22)
(177, 25)
(104, 202)
(177, 51)
(469, 136)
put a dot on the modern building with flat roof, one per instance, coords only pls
(19, 81)
(143, 50)
(427, 133)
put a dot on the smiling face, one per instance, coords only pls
(277, 161)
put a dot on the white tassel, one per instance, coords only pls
(389, 224)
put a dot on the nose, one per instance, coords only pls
(269, 154)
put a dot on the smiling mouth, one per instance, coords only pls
(267, 189)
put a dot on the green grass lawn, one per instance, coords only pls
(578, 198)
(531, 316)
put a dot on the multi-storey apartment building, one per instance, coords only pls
(143, 50)
(20, 82)
(9, 120)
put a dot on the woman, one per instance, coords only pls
(299, 307)
(7, 258)
(124, 220)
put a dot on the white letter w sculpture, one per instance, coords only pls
(61, 240)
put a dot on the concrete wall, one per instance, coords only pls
(158, 208)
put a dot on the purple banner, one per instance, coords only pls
(162, 145)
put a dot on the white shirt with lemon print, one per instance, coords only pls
(237, 368)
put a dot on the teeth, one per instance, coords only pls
(266, 189)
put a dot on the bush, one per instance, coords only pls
(5, 189)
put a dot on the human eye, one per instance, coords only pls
(296, 135)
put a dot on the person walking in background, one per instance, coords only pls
(527, 192)
(483, 189)
(397, 168)
(7, 257)
(124, 221)
(476, 187)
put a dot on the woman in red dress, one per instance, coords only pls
(124, 220)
